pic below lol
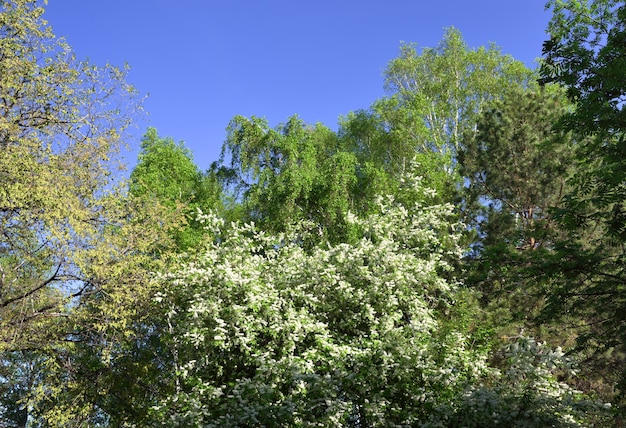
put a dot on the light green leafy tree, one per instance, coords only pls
(62, 122)
(284, 173)
(444, 88)
(435, 98)
(294, 172)
(115, 361)
(75, 251)
(125, 365)
(386, 141)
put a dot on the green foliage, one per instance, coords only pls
(332, 305)
(115, 359)
(512, 189)
(511, 398)
(57, 135)
(19, 372)
(121, 361)
(165, 172)
(386, 140)
(296, 172)
(284, 174)
(585, 53)
(436, 98)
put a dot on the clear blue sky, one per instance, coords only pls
(204, 61)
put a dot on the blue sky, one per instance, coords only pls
(201, 62)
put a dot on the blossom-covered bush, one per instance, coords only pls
(268, 333)
(524, 392)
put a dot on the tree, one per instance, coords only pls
(59, 125)
(446, 87)
(585, 53)
(435, 98)
(64, 235)
(121, 368)
(354, 334)
(512, 188)
(165, 172)
(508, 171)
(115, 358)
(387, 141)
(283, 171)
(18, 374)
(114, 372)
(282, 174)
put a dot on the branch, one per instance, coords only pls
(34, 290)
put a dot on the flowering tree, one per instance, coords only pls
(268, 333)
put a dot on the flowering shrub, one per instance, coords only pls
(268, 333)
(525, 392)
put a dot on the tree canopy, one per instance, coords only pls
(447, 86)
(451, 255)
(60, 125)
